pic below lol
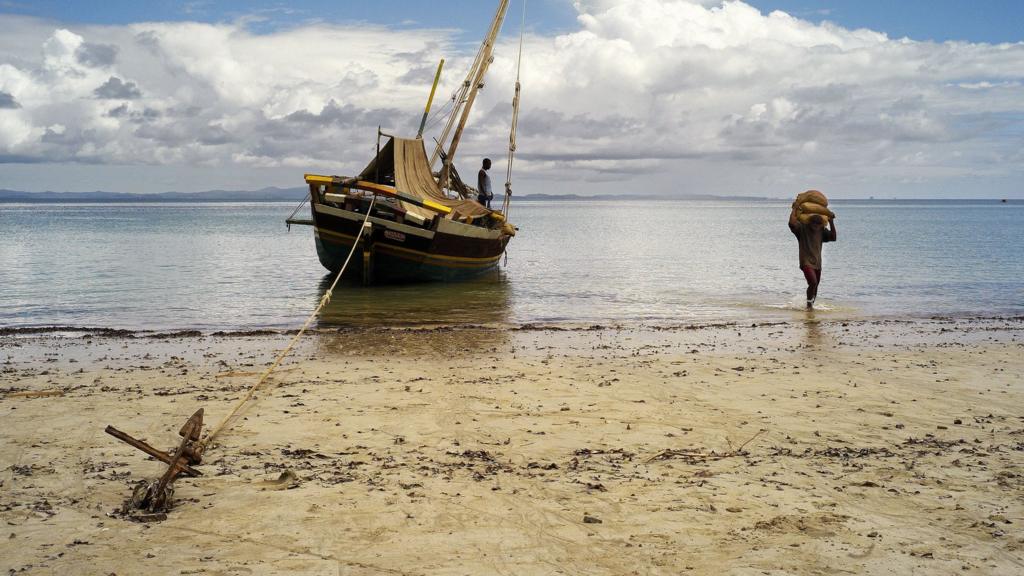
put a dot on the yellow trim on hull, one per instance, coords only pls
(439, 259)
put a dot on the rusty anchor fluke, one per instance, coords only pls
(155, 496)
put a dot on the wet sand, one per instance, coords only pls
(818, 447)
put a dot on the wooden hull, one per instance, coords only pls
(392, 252)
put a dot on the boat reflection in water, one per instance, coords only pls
(483, 300)
(427, 317)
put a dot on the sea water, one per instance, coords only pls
(235, 266)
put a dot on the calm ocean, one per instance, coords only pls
(235, 266)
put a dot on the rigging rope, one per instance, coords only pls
(216, 430)
(288, 220)
(515, 121)
(440, 115)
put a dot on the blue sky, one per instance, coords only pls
(469, 15)
(982, 21)
(985, 21)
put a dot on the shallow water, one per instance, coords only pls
(235, 266)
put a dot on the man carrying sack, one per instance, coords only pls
(807, 221)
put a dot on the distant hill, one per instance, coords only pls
(634, 197)
(294, 195)
(264, 195)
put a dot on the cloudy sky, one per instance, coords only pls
(764, 97)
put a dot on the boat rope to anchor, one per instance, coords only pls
(155, 497)
(403, 217)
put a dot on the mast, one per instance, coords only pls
(483, 61)
(430, 100)
(459, 98)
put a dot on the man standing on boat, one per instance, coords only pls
(483, 185)
(810, 237)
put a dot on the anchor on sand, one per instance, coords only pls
(155, 497)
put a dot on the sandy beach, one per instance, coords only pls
(807, 447)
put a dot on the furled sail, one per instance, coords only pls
(406, 161)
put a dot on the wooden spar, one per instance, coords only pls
(381, 189)
(430, 100)
(299, 221)
(388, 191)
(392, 193)
(484, 62)
(487, 52)
(459, 98)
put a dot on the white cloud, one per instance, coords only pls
(770, 97)
(670, 95)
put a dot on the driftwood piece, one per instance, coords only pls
(34, 394)
(693, 455)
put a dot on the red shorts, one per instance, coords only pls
(813, 275)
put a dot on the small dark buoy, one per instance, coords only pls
(1004, 200)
